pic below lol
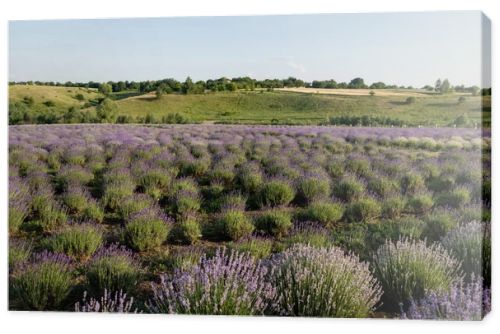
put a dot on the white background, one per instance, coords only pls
(24, 322)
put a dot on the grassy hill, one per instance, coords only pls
(50, 97)
(264, 107)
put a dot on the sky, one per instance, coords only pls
(396, 48)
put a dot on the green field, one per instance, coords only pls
(263, 106)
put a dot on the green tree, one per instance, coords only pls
(357, 83)
(187, 86)
(105, 89)
(106, 111)
(445, 87)
(160, 90)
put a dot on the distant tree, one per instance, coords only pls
(80, 97)
(445, 87)
(461, 99)
(160, 90)
(120, 86)
(105, 89)
(106, 111)
(187, 86)
(428, 88)
(378, 85)
(357, 83)
(231, 86)
(437, 85)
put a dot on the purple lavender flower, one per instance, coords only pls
(229, 283)
(117, 302)
(463, 301)
(323, 282)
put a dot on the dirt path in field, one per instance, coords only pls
(356, 92)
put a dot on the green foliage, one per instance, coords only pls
(456, 198)
(309, 236)
(437, 224)
(94, 213)
(233, 225)
(275, 223)
(186, 232)
(51, 218)
(175, 118)
(324, 283)
(326, 214)
(107, 111)
(112, 272)
(17, 214)
(145, 231)
(77, 241)
(250, 180)
(310, 189)
(393, 207)
(410, 269)
(412, 183)
(76, 202)
(348, 190)
(105, 89)
(420, 204)
(382, 187)
(465, 243)
(440, 183)
(19, 253)
(410, 227)
(275, 193)
(42, 286)
(132, 205)
(364, 210)
(257, 247)
(116, 192)
(247, 107)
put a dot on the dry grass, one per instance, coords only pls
(359, 92)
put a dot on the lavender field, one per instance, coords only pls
(250, 220)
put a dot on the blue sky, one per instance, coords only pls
(401, 48)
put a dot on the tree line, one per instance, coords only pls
(170, 85)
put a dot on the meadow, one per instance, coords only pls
(301, 106)
(318, 221)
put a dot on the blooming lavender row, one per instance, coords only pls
(81, 134)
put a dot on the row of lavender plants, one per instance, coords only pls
(312, 221)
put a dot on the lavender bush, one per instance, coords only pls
(117, 302)
(408, 269)
(114, 268)
(465, 243)
(229, 283)
(217, 180)
(43, 282)
(147, 229)
(78, 241)
(463, 301)
(323, 282)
